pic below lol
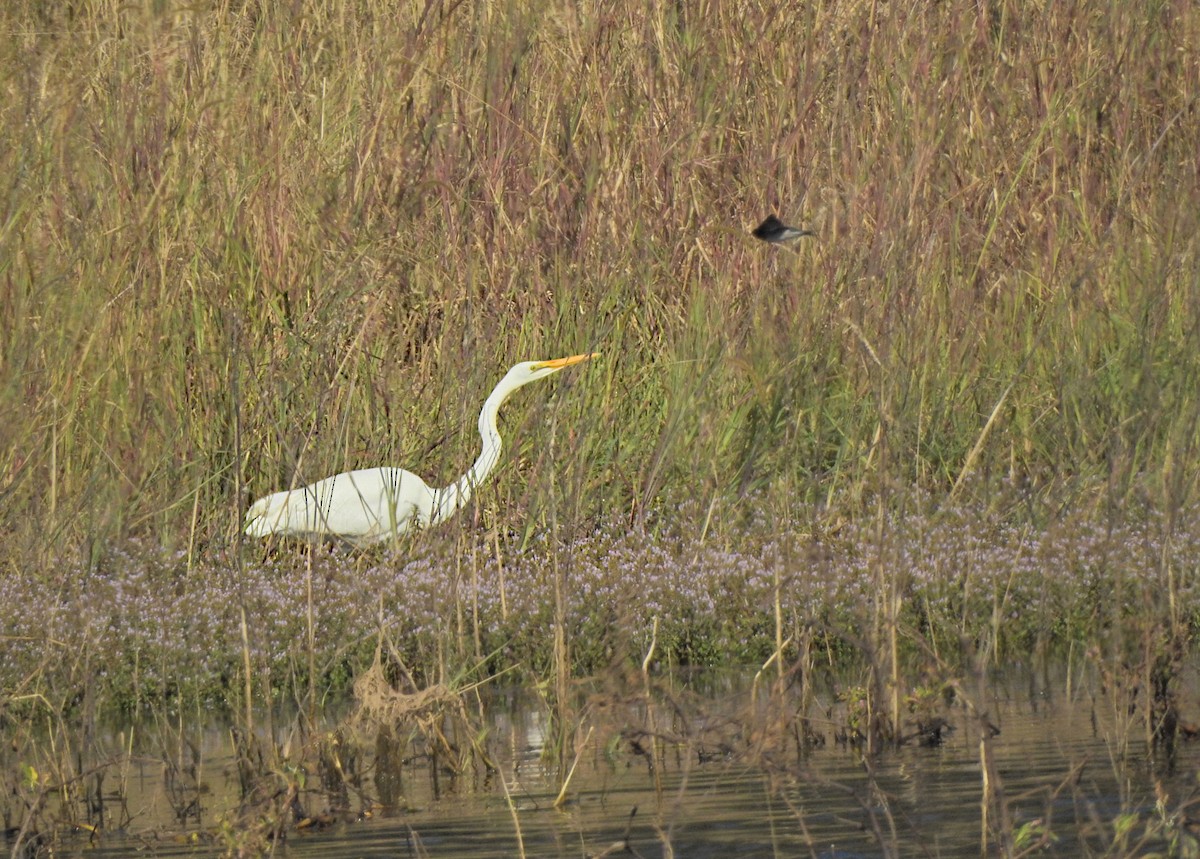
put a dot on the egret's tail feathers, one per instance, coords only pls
(267, 515)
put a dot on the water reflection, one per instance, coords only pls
(1066, 771)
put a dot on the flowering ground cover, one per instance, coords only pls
(141, 623)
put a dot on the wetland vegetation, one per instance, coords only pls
(245, 245)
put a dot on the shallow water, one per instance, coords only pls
(1073, 765)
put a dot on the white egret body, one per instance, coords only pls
(373, 504)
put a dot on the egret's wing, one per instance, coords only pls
(361, 506)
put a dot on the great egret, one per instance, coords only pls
(371, 504)
(777, 232)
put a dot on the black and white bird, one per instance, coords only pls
(777, 232)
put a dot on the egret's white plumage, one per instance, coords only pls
(372, 504)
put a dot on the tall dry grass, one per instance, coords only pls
(247, 243)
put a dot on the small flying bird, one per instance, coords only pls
(777, 232)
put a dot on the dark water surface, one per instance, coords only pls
(1073, 769)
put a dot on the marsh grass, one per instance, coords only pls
(328, 232)
(244, 246)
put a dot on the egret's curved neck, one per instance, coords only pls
(449, 500)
